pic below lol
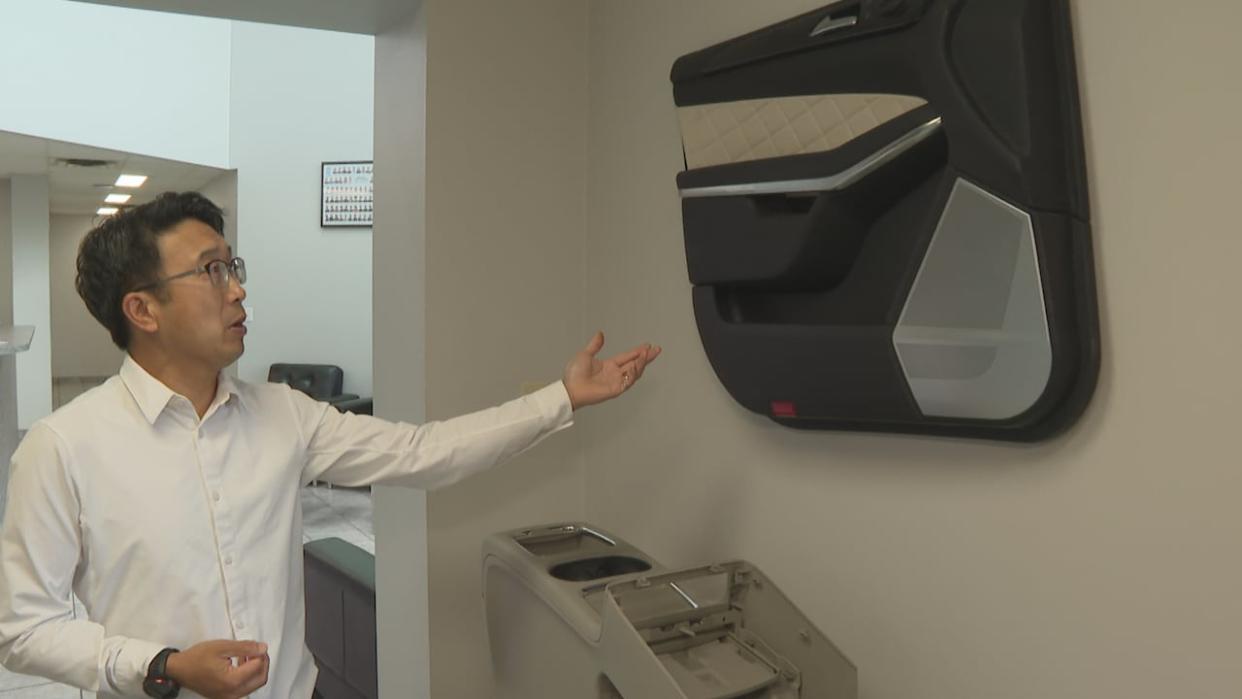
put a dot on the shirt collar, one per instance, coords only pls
(152, 396)
(227, 389)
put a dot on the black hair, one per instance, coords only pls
(121, 254)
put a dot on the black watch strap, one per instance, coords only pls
(158, 684)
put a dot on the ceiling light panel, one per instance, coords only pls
(131, 181)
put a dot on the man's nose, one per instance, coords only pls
(236, 290)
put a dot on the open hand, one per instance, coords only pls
(589, 380)
(207, 668)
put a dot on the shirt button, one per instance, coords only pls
(228, 560)
(216, 496)
(241, 624)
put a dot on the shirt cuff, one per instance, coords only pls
(125, 672)
(553, 404)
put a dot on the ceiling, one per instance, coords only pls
(81, 190)
(354, 16)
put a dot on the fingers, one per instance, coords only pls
(627, 376)
(635, 363)
(646, 351)
(248, 667)
(636, 370)
(647, 354)
(252, 674)
(626, 357)
(653, 351)
(239, 649)
(222, 668)
(249, 670)
(596, 344)
(590, 380)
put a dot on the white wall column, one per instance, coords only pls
(8, 362)
(403, 618)
(32, 296)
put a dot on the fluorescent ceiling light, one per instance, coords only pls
(118, 198)
(131, 180)
(106, 210)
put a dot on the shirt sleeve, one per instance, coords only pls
(354, 450)
(40, 548)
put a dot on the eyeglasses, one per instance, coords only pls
(220, 272)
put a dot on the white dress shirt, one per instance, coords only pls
(174, 530)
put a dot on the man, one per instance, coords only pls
(168, 500)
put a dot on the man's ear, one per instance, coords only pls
(141, 310)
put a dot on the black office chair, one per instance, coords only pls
(321, 382)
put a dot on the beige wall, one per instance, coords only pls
(506, 194)
(1100, 564)
(80, 345)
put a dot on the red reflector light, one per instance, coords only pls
(784, 408)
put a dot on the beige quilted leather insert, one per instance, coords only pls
(734, 132)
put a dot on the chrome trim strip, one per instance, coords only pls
(828, 23)
(597, 535)
(840, 180)
(691, 602)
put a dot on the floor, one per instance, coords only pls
(326, 512)
(340, 512)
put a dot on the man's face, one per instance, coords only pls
(199, 321)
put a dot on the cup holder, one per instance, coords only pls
(600, 567)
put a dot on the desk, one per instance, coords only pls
(15, 338)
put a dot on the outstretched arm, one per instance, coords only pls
(359, 449)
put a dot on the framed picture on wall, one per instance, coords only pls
(346, 197)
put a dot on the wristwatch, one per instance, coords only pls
(158, 684)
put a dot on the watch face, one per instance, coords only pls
(160, 687)
(157, 683)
